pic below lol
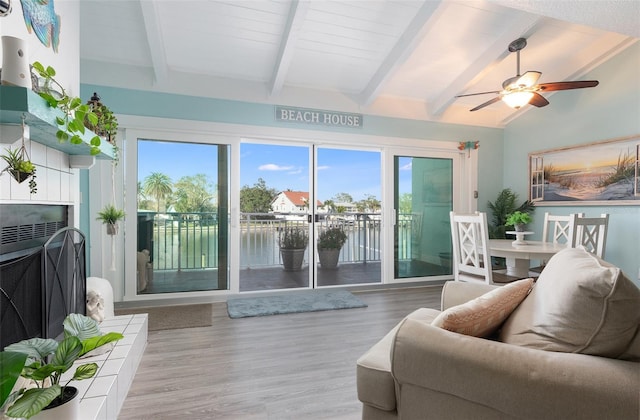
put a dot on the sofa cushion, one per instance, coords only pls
(375, 384)
(580, 304)
(482, 316)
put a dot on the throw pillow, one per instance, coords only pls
(580, 304)
(482, 316)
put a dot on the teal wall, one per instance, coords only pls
(165, 105)
(610, 110)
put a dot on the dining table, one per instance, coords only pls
(519, 255)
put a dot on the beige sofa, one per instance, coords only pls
(419, 371)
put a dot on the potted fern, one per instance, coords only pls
(44, 361)
(330, 242)
(110, 215)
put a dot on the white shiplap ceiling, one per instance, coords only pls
(397, 58)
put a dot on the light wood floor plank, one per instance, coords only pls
(298, 366)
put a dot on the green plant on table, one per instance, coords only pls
(504, 205)
(72, 125)
(518, 218)
(44, 361)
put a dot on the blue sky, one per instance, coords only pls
(282, 167)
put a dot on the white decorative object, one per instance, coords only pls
(519, 236)
(103, 287)
(95, 305)
(15, 62)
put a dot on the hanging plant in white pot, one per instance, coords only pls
(110, 215)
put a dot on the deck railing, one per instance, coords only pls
(182, 241)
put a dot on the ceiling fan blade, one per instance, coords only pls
(479, 93)
(489, 102)
(538, 100)
(528, 79)
(548, 87)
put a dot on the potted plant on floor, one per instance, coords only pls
(519, 220)
(110, 215)
(293, 242)
(330, 242)
(44, 361)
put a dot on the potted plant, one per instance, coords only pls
(503, 206)
(109, 216)
(106, 124)
(72, 124)
(330, 242)
(44, 361)
(20, 167)
(293, 242)
(519, 220)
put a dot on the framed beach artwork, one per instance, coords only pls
(602, 173)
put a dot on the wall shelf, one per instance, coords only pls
(41, 118)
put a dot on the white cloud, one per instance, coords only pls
(322, 168)
(274, 167)
(406, 167)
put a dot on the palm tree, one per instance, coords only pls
(330, 205)
(158, 185)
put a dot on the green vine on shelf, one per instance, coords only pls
(71, 126)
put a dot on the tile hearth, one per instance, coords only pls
(103, 395)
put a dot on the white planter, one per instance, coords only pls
(15, 62)
(67, 411)
(112, 228)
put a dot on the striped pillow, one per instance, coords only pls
(483, 315)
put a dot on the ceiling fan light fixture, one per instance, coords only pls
(517, 99)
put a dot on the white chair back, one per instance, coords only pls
(471, 258)
(591, 233)
(560, 226)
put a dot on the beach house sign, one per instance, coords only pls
(317, 117)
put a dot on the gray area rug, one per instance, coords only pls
(174, 317)
(308, 301)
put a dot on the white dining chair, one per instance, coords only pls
(556, 229)
(471, 258)
(590, 233)
(471, 255)
(559, 226)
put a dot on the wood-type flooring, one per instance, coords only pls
(297, 366)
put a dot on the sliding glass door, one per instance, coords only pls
(423, 197)
(348, 208)
(182, 217)
(305, 196)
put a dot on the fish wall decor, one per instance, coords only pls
(40, 16)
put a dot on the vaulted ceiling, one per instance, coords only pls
(398, 58)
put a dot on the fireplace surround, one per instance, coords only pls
(42, 271)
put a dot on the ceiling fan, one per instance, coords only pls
(520, 90)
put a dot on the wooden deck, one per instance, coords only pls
(275, 278)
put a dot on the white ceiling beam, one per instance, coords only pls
(155, 41)
(297, 13)
(426, 17)
(521, 26)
